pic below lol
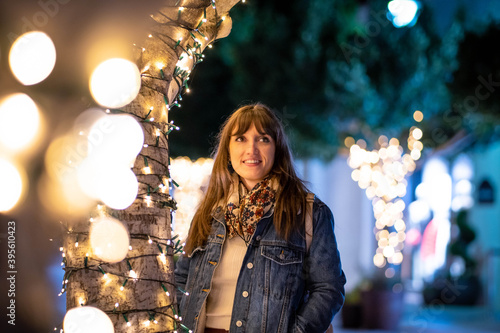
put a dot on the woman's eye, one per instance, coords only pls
(265, 139)
(238, 139)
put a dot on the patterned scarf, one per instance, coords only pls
(246, 208)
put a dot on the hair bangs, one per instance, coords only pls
(258, 117)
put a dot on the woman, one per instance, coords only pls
(247, 267)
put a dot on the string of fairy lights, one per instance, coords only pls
(109, 270)
(154, 183)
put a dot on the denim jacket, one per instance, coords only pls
(281, 288)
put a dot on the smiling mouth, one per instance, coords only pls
(251, 161)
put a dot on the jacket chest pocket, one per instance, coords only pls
(281, 255)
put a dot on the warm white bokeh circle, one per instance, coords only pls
(112, 145)
(116, 138)
(32, 57)
(115, 82)
(85, 120)
(117, 187)
(87, 174)
(19, 121)
(11, 185)
(109, 239)
(87, 319)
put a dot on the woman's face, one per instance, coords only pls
(252, 155)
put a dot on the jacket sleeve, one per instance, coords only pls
(324, 277)
(181, 275)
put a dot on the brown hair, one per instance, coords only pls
(290, 198)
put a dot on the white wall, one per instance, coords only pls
(352, 211)
(485, 219)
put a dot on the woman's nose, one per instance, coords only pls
(252, 147)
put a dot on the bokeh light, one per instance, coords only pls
(418, 116)
(115, 139)
(19, 121)
(87, 319)
(403, 12)
(118, 187)
(115, 82)
(109, 239)
(113, 142)
(32, 57)
(58, 188)
(417, 133)
(381, 173)
(349, 141)
(11, 185)
(93, 162)
(193, 177)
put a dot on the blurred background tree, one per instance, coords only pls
(334, 69)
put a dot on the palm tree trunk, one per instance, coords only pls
(179, 30)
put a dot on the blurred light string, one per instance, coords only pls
(382, 173)
(157, 196)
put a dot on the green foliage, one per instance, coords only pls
(460, 245)
(331, 69)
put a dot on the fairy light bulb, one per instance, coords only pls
(132, 274)
(163, 258)
(148, 201)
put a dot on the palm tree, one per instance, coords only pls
(139, 291)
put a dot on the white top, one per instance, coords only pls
(221, 297)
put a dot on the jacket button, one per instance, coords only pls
(258, 238)
(239, 323)
(245, 294)
(249, 265)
